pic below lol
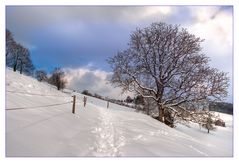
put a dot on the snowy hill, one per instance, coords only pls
(39, 122)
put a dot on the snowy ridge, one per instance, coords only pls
(42, 130)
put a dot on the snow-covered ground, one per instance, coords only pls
(39, 122)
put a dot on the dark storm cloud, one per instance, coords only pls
(73, 35)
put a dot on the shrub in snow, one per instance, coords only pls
(220, 122)
(41, 75)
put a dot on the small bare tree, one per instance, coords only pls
(204, 118)
(17, 51)
(41, 75)
(25, 62)
(57, 79)
(165, 63)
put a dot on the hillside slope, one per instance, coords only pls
(39, 122)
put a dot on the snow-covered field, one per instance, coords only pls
(39, 122)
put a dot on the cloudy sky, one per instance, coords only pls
(81, 38)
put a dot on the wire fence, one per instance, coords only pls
(37, 122)
(34, 107)
(79, 101)
(35, 94)
(39, 107)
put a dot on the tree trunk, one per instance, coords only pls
(58, 87)
(147, 110)
(147, 107)
(21, 68)
(15, 67)
(15, 64)
(161, 113)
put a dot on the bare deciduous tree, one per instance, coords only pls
(165, 63)
(10, 42)
(18, 51)
(25, 62)
(41, 75)
(204, 118)
(57, 78)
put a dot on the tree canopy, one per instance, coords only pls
(165, 63)
(17, 56)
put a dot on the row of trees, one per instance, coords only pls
(18, 57)
(56, 78)
(165, 65)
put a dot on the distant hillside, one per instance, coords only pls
(222, 107)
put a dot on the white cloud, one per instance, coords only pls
(215, 26)
(142, 13)
(40, 16)
(96, 81)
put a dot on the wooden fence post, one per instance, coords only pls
(74, 104)
(84, 100)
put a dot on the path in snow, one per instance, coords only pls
(109, 138)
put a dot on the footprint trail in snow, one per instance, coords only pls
(109, 138)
